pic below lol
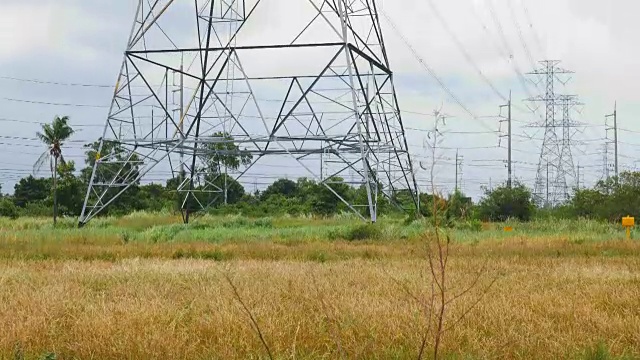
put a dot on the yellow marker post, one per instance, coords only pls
(628, 222)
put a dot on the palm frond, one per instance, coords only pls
(41, 161)
(44, 138)
(61, 129)
(49, 132)
(53, 135)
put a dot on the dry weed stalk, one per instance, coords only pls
(254, 322)
(442, 295)
(438, 252)
(438, 245)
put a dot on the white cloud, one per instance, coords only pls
(25, 29)
(594, 38)
(65, 28)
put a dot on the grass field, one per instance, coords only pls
(144, 286)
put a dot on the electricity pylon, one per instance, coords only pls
(551, 180)
(316, 91)
(568, 102)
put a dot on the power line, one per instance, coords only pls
(507, 56)
(43, 82)
(55, 103)
(505, 43)
(22, 138)
(455, 132)
(523, 41)
(42, 123)
(429, 69)
(536, 37)
(464, 51)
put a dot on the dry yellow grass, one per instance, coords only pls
(553, 299)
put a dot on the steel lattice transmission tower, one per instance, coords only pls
(551, 185)
(315, 92)
(567, 103)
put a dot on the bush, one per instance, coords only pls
(8, 209)
(266, 223)
(471, 225)
(610, 199)
(504, 203)
(364, 232)
(163, 233)
(600, 352)
(37, 209)
(236, 222)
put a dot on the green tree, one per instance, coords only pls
(221, 156)
(622, 196)
(71, 190)
(588, 203)
(213, 194)
(30, 190)
(284, 187)
(225, 153)
(458, 206)
(155, 197)
(404, 198)
(53, 136)
(401, 198)
(8, 209)
(427, 203)
(307, 190)
(503, 203)
(325, 202)
(610, 199)
(235, 191)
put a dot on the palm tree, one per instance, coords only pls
(53, 135)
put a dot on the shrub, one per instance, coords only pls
(125, 237)
(600, 352)
(364, 232)
(335, 234)
(505, 203)
(236, 222)
(8, 209)
(266, 223)
(163, 233)
(610, 199)
(471, 225)
(36, 209)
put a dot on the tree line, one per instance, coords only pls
(63, 193)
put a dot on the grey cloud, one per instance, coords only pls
(594, 38)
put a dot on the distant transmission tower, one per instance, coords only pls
(316, 92)
(551, 185)
(567, 102)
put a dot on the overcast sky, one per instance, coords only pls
(81, 42)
